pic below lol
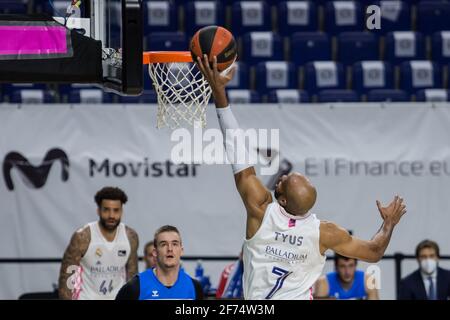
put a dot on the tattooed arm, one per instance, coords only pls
(132, 264)
(75, 251)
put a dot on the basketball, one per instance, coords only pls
(214, 41)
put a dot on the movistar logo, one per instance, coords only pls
(34, 176)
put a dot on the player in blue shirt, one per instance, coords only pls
(345, 283)
(167, 280)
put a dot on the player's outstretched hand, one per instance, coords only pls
(217, 80)
(394, 211)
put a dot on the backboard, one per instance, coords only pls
(118, 24)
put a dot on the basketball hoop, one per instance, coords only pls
(183, 93)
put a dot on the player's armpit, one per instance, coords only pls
(76, 249)
(255, 196)
(339, 240)
(132, 264)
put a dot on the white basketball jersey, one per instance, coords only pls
(282, 260)
(102, 269)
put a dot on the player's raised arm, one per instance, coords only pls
(254, 195)
(339, 240)
(132, 263)
(76, 249)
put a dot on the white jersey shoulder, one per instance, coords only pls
(102, 269)
(283, 260)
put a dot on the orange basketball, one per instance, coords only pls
(214, 41)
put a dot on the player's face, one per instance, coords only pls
(150, 257)
(168, 249)
(346, 270)
(110, 213)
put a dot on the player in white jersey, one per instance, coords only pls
(101, 256)
(285, 245)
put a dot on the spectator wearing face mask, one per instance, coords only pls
(429, 282)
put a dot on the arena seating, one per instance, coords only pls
(304, 42)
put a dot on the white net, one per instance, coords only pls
(183, 94)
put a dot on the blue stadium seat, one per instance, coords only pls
(387, 95)
(363, 3)
(39, 6)
(433, 95)
(89, 96)
(310, 46)
(32, 96)
(343, 16)
(249, 16)
(269, 2)
(275, 75)
(336, 95)
(441, 47)
(199, 14)
(160, 16)
(403, 46)
(433, 16)
(370, 75)
(357, 46)
(321, 75)
(416, 75)
(148, 96)
(296, 16)
(241, 78)
(66, 89)
(288, 96)
(10, 88)
(395, 16)
(238, 96)
(167, 41)
(261, 46)
(14, 7)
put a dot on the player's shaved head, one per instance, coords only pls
(295, 193)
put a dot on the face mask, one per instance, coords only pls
(428, 265)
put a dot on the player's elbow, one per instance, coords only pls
(374, 258)
(376, 254)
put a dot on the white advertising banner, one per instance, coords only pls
(55, 158)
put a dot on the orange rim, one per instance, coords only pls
(167, 56)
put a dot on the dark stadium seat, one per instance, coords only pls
(387, 95)
(370, 75)
(241, 77)
(167, 41)
(403, 46)
(237, 96)
(310, 46)
(288, 96)
(357, 46)
(433, 95)
(249, 16)
(295, 16)
(199, 14)
(160, 16)
(321, 75)
(261, 47)
(334, 95)
(343, 16)
(272, 75)
(416, 75)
